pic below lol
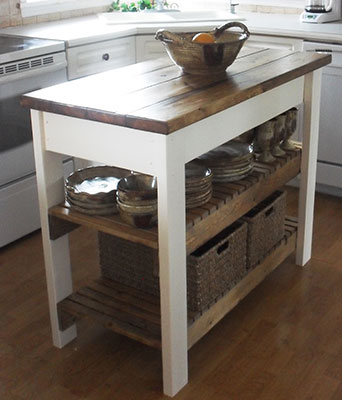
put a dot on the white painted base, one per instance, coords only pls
(163, 156)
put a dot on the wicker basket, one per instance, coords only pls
(212, 270)
(265, 227)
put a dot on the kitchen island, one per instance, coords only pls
(151, 118)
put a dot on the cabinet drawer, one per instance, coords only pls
(275, 42)
(98, 57)
(148, 48)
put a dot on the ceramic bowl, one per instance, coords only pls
(138, 209)
(134, 188)
(94, 185)
(139, 220)
(205, 58)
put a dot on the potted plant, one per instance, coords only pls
(140, 5)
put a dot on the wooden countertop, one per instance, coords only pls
(156, 96)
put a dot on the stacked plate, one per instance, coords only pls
(230, 162)
(137, 200)
(198, 184)
(92, 190)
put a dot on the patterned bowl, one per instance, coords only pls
(205, 58)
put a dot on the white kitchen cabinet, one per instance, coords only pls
(329, 165)
(98, 57)
(275, 42)
(148, 48)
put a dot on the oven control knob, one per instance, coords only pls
(105, 56)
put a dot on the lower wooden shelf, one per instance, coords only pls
(130, 312)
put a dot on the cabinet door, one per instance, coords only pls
(148, 48)
(275, 42)
(98, 57)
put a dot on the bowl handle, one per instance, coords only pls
(168, 37)
(218, 31)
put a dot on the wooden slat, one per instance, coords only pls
(204, 209)
(132, 313)
(229, 201)
(159, 98)
(155, 86)
(200, 212)
(193, 216)
(102, 306)
(120, 307)
(120, 295)
(146, 301)
(270, 178)
(252, 179)
(218, 195)
(109, 224)
(80, 310)
(229, 192)
(151, 302)
(177, 112)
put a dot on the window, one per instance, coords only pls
(38, 7)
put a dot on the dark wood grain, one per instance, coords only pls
(125, 310)
(156, 96)
(283, 341)
(229, 201)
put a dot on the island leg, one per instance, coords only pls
(50, 180)
(312, 92)
(172, 256)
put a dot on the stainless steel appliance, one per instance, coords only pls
(318, 6)
(319, 11)
(329, 166)
(26, 64)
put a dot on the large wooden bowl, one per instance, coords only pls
(205, 58)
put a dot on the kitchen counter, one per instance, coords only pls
(150, 118)
(79, 31)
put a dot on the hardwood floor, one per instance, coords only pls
(282, 342)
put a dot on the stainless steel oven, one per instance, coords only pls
(26, 64)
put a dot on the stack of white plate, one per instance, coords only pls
(198, 184)
(230, 162)
(92, 190)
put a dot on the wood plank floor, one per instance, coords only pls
(283, 342)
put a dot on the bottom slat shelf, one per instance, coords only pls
(117, 307)
(129, 312)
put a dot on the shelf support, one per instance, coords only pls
(312, 94)
(172, 261)
(50, 180)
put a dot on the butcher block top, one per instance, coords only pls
(156, 96)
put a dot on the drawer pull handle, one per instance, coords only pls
(223, 247)
(105, 56)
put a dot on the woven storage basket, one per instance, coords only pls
(212, 270)
(265, 227)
